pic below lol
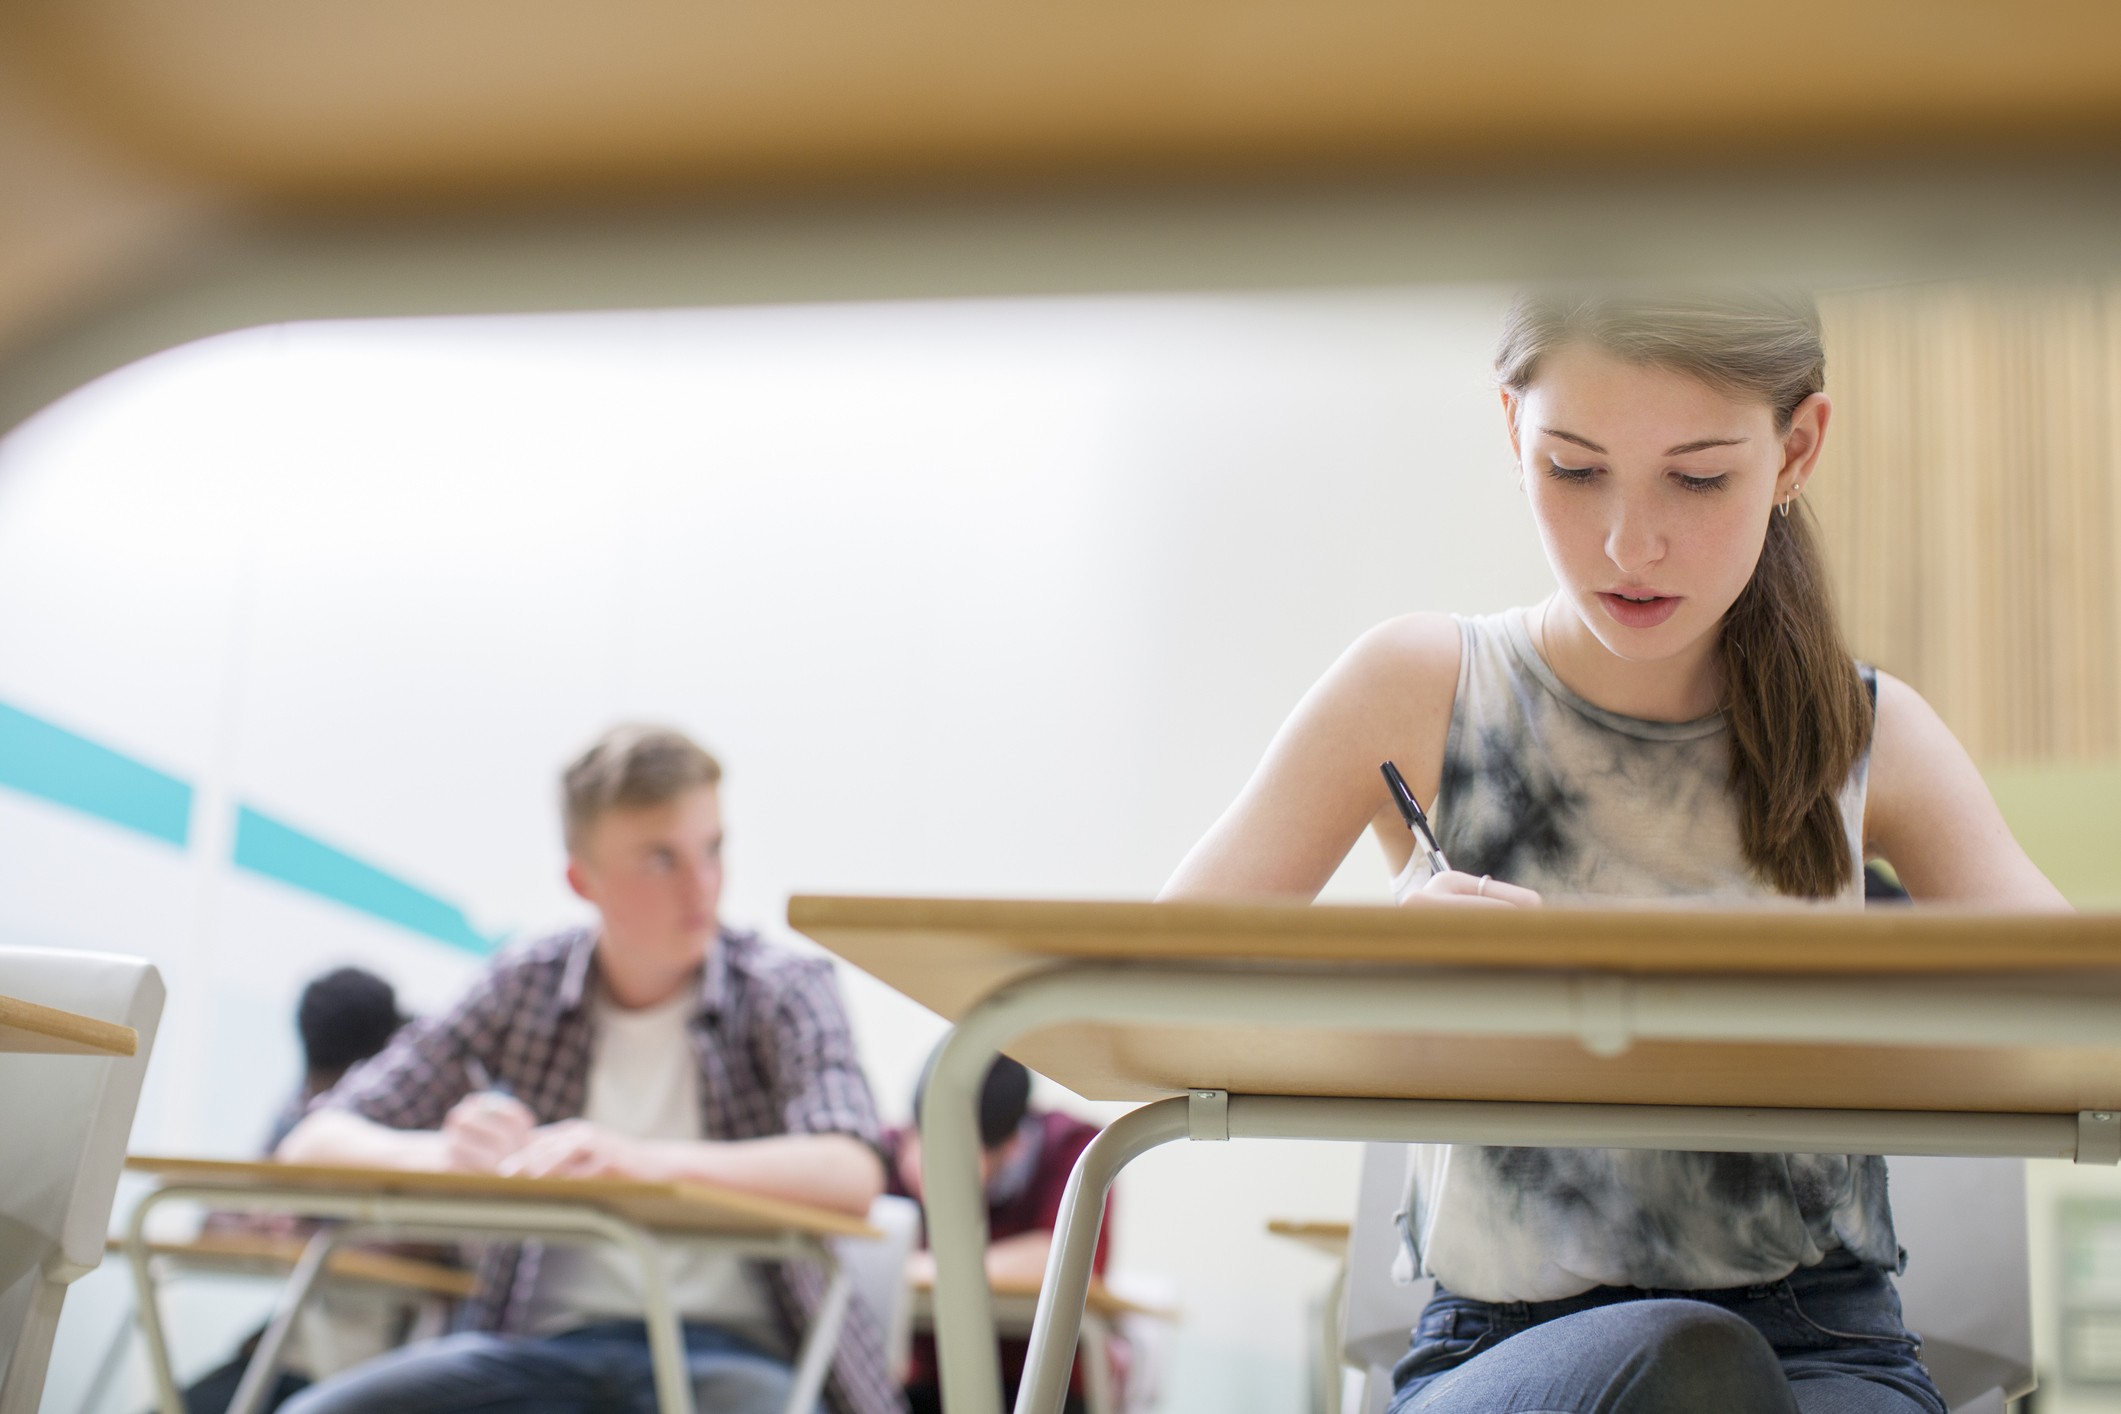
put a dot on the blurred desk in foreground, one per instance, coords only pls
(1329, 1239)
(248, 1254)
(393, 1203)
(1016, 1308)
(414, 1292)
(1796, 1030)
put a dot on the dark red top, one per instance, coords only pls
(1030, 1201)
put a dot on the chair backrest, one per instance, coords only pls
(877, 1270)
(1377, 1311)
(1966, 1291)
(1151, 1335)
(66, 1119)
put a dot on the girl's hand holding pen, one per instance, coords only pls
(1447, 885)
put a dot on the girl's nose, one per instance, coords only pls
(1633, 541)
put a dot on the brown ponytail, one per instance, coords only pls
(1798, 712)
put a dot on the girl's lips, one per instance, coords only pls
(1633, 613)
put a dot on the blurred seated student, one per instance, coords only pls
(1025, 1159)
(658, 1044)
(344, 1017)
(1882, 885)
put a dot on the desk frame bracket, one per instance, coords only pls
(1208, 1115)
(2099, 1137)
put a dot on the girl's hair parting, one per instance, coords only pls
(1799, 714)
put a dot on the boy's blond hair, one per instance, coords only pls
(630, 766)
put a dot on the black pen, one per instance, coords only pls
(1410, 811)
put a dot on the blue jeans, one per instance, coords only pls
(1826, 1340)
(599, 1369)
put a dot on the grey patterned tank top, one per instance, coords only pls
(1544, 789)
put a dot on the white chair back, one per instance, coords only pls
(877, 1270)
(64, 1122)
(1966, 1290)
(1377, 1312)
(1151, 1339)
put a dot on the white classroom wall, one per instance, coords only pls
(977, 598)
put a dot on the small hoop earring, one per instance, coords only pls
(1786, 504)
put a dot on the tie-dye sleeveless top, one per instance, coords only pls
(1544, 789)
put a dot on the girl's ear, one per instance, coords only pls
(1800, 446)
(1509, 417)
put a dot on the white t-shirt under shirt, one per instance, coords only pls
(645, 1082)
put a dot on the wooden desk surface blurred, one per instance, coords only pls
(1327, 1237)
(239, 1252)
(951, 953)
(27, 1028)
(662, 1207)
(1103, 1301)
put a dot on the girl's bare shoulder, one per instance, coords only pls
(1407, 661)
(1391, 693)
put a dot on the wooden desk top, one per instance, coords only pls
(26, 1027)
(1103, 1301)
(1329, 1238)
(665, 1207)
(949, 953)
(256, 1252)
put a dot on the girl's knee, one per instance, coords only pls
(1693, 1356)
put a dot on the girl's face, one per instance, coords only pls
(1652, 492)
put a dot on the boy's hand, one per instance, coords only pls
(482, 1130)
(575, 1148)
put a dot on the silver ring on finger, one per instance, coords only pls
(1481, 891)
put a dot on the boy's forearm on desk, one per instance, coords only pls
(341, 1137)
(835, 1171)
(1020, 1260)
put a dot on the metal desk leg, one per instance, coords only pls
(264, 1366)
(167, 1398)
(814, 1362)
(971, 1367)
(1066, 1287)
(666, 1334)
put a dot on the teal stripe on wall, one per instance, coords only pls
(51, 763)
(279, 851)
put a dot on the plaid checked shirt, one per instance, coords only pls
(775, 1057)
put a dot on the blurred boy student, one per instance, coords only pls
(1025, 1159)
(657, 1045)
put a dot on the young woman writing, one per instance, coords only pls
(1679, 719)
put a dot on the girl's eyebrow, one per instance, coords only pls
(1586, 443)
(1679, 451)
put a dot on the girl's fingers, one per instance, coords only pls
(1457, 888)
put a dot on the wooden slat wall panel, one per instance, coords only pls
(1970, 504)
